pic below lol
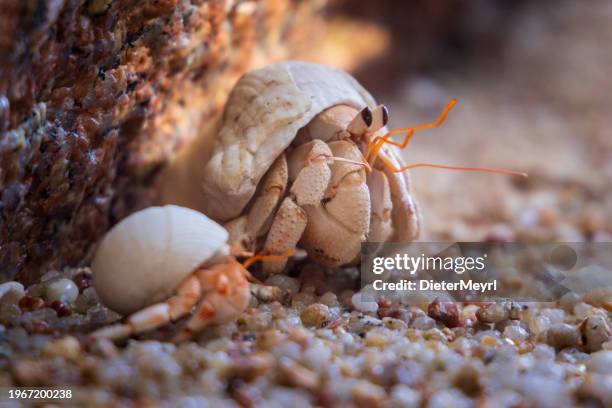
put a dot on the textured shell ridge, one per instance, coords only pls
(328, 86)
(263, 105)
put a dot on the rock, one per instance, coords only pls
(62, 290)
(423, 323)
(266, 293)
(449, 398)
(445, 312)
(296, 375)
(329, 299)
(96, 96)
(404, 396)
(11, 287)
(601, 362)
(562, 335)
(67, 347)
(516, 333)
(366, 394)
(493, 313)
(315, 314)
(364, 302)
(286, 283)
(595, 332)
(252, 366)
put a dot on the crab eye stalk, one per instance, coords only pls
(366, 115)
(361, 122)
(380, 117)
(385, 115)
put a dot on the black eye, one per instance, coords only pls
(366, 115)
(385, 113)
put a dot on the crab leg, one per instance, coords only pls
(237, 231)
(156, 315)
(310, 176)
(287, 228)
(381, 226)
(225, 294)
(405, 212)
(259, 217)
(310, 179)
(272, 191)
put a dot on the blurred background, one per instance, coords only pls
(533, 85)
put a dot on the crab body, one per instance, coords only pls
(159, 263)
(288, 166)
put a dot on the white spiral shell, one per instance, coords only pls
(264, 112)
(143, 258)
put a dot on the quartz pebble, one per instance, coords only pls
(516, 333)
(595, 332)
(445, 312)
(63, 290)
(569, 300)
(329, 299)
(315, 314)
(423, 323)
(296, 375)
(366, 394)
(82, 280)
(29, 303)
(9, 307)
(67, 347)
(364, 302)
(562, 335)
(404, 396)
(449, 398)
(291, 285)
(493, 313)
(539, 324)
(11, 287)
(601, 362)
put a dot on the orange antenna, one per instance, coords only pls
(448, 167)
(376, 144)
(264, 256)
(464, 168)
(372, 153)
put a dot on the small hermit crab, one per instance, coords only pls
(158, 263)
(303, 157)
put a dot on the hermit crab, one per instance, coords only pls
(159, 263)
(303, 157)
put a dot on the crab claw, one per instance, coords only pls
(337, 226)
(225, 295)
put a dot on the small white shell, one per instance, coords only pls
(143, 258)
(7, 287)
(262, 116)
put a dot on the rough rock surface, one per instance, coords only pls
(94, 97)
